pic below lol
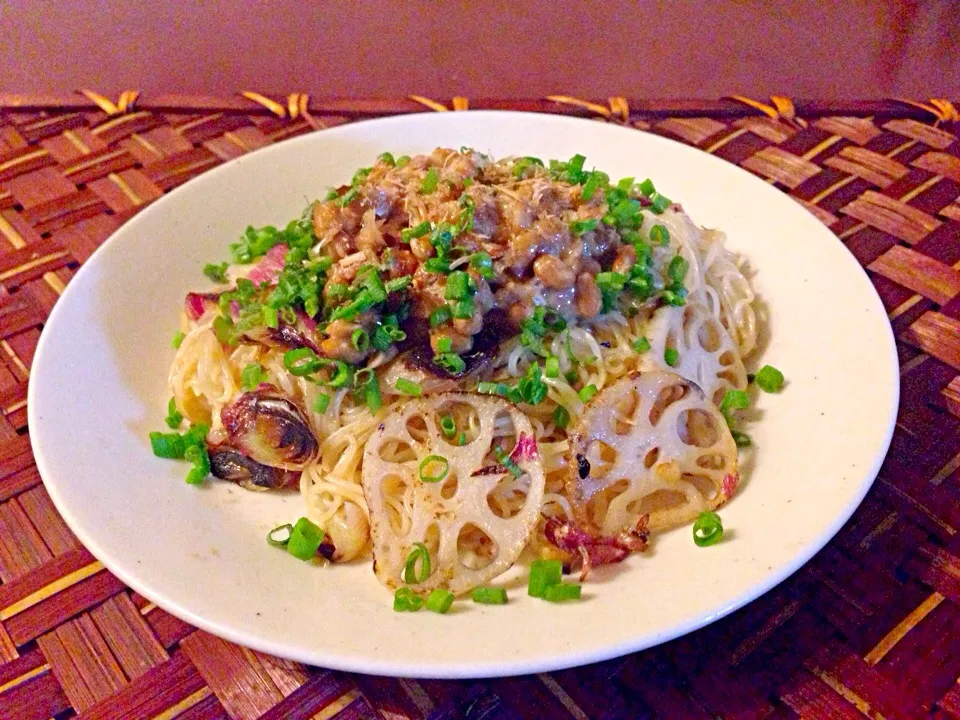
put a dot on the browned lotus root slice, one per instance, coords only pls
(652, 444)
(477, 520)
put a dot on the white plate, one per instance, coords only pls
(99, 386)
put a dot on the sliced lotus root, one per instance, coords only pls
(706, 354)
(476, 519)
(651, 443)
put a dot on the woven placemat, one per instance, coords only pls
(869, 627)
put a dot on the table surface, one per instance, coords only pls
(869, 627)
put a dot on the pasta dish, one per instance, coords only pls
(462, 363)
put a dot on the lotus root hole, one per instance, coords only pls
(601, 458)
(650, 459)
(665, 398)
(475, 549)
(709, 336)
(466, 422)
(624, 410)
(697, 427)
(417, 427)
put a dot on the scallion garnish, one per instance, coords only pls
(489, 596)
(252, 376)
(437, 266)
(462, 439)
(305, 539)
(360, 340)
(640, 345)
(579, 227)
(464, 309)
(217, 273)
(741, 438)
(660, 203)
(418, 557)
(419, 230)
(543, 574)
(280, 542)
(177, 339)
(507, 461)
(659, 235)
(444, 344)
(587, 392)
(594, 182)
(647, 188)
(769, 379)
(733, 400)
(402, 160)
(271, 317)
(458, 286)
(561, 417)
(167, 445)
(562, 592)
(406, 600)
(439, 601)
(552, 367)
(301, 362)
(439, 466)
(451, 362)
(492, 388)
(671, 357)
(408, 387)
(398, 284)
(321, 404)
(387, 159)
(197, 454)
(677, 270)
(448, 426)
(440, 315)
(371, 394)
(174, 419)
(708, 529)
(430, 182)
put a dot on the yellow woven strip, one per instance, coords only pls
(906, 625)
(11, 234)
(188, 702)
(888, 522)
(101, 102)
(99, 129)
(339, 704)
(127, 100)
(147, 608)
(563, 697)
(50, 590)
(14, 358)
(22, 159)
(125, 188)
(432, 104)
(849, 695)
(55, 283)
(911, 364)
(949, 112)
(922, 187)
(23, 678)
(271, 105)
(723, 141)
(946, 471)
(620, 106)
(576, 102)
(784, 106)
(832, 189)
(460, 103)
(932, 109)
(765, 109)
(78, 143)
(29, 265)
(820, 147)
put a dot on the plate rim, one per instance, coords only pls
(473, 669)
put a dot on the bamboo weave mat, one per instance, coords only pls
(870, 627)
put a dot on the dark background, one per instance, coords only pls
(800, 48)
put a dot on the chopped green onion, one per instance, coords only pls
(531, 387)
(398, 284)
(769, 379)
(741, 438)
(341, 374)
(360, 340)
(271, 317)
(349, 197)
(252, 376)
(273, 541)
(552, 367)
(733, 400)
(223, 329)
(671, 357)
(458, 286)
(321, 404)
(371, 394)
(579, 227)
(197, 454)
(659, 235)
(217, 273)
(611, 281)
(439, 601)
(437, 265)
(177, 339)
(464, 309)
(332, 194)
(492, 388)
(543, 574)
(647, 188)
(174, 419)
(444, 344)
(640, 345)
(482, 263)
(677, 270)
(305, 539)
(451, 362)
(595, 180)
(408, 387)
(359, 176)
(387, 159)
(430, 182)
(448, 426)
(406, 600)
(419, 555)
(561, 417)
(301, 362)
(708, 529)
(507, 461)
(402, 160)
(489, 596)
(562, 593)
(167, 445)
(440, 316)
(660, 203)
(462, 439)
(408, 234)
(587, 392)
(428, 477)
